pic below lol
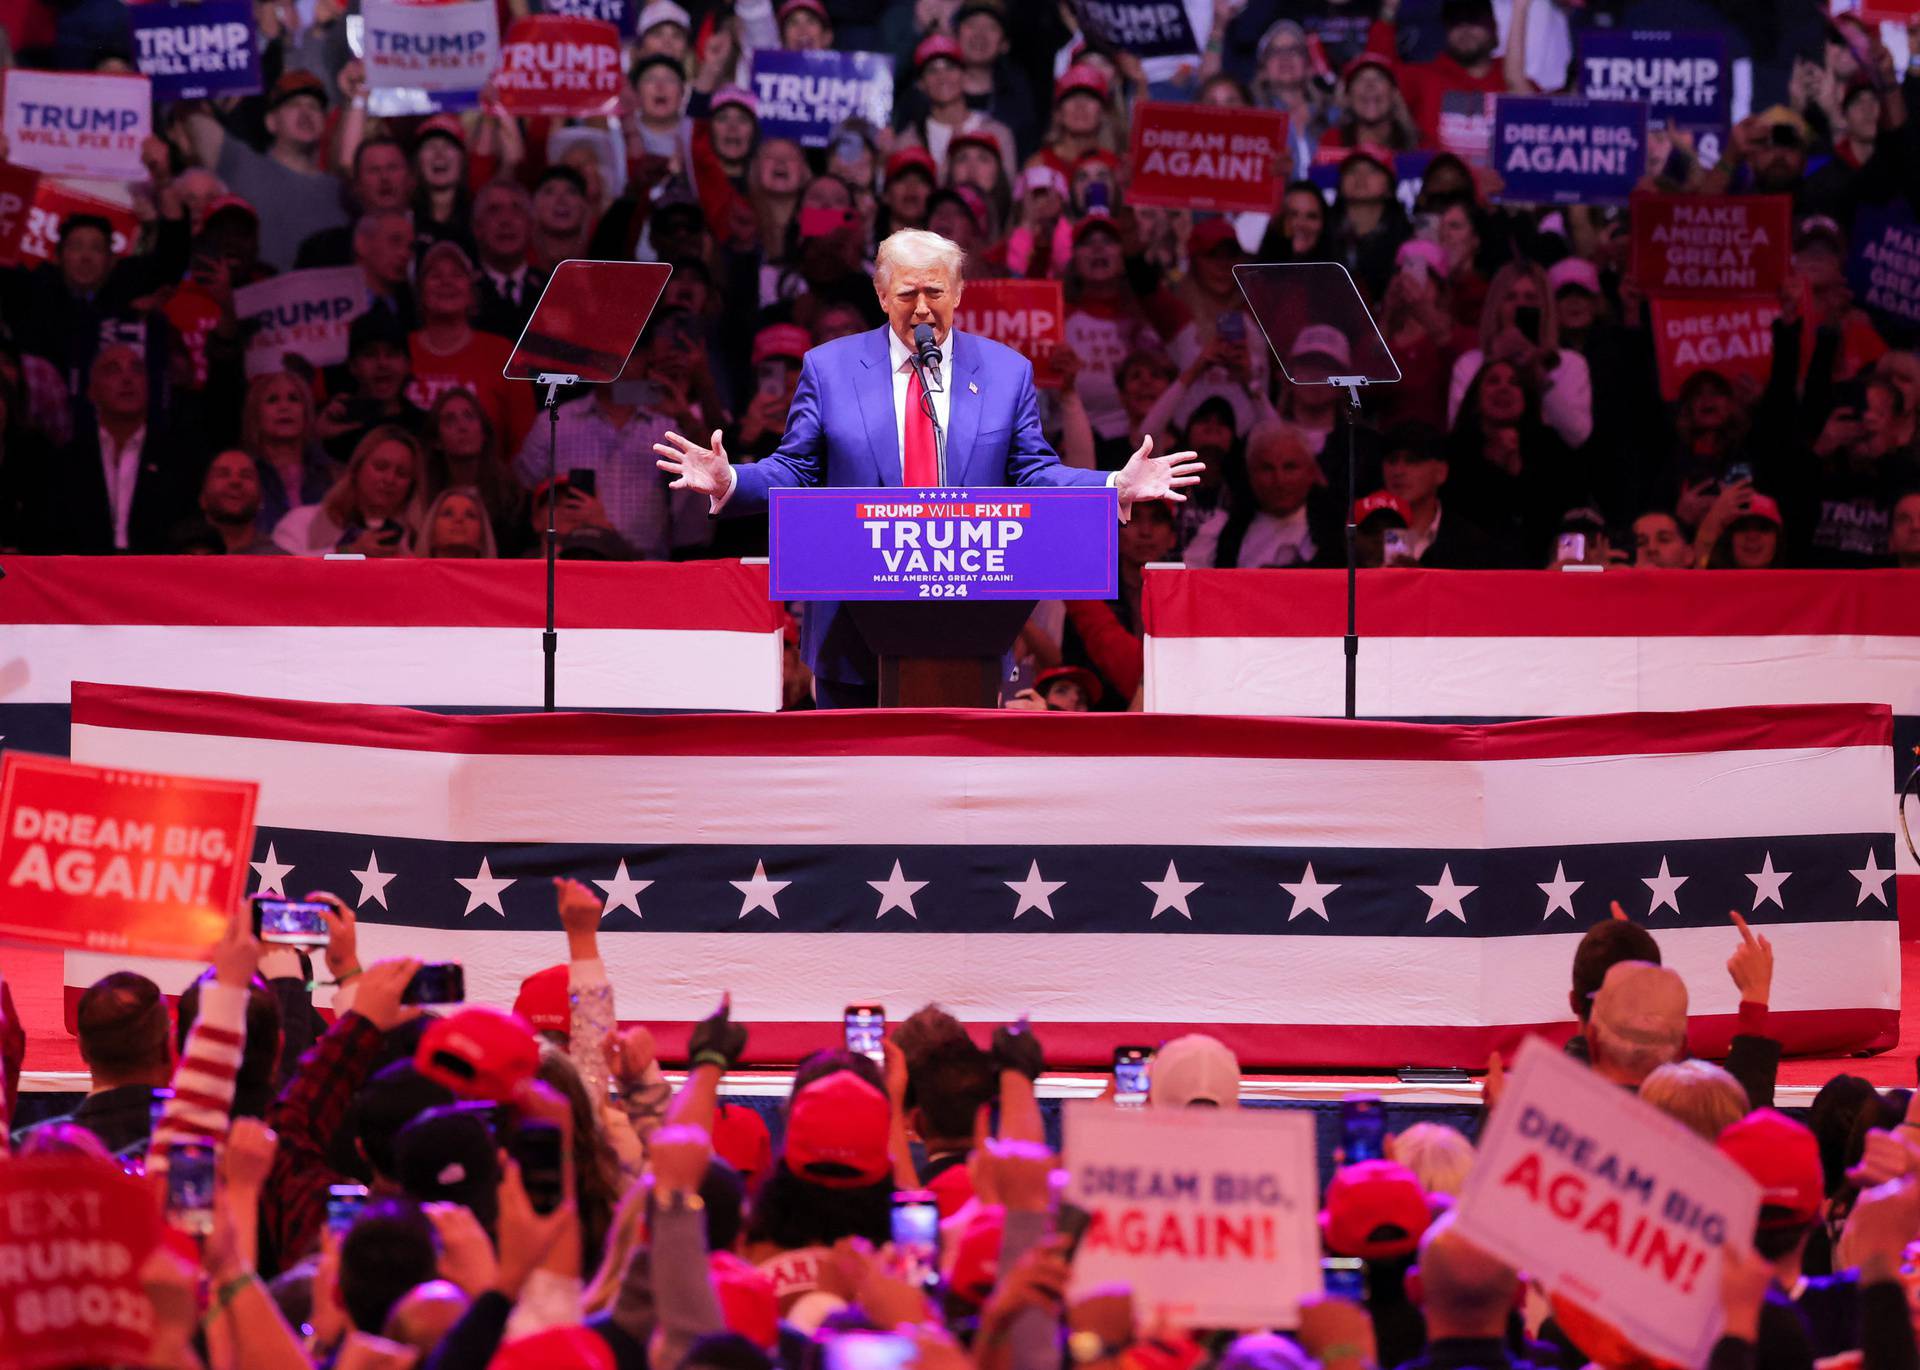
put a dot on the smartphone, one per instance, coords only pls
(1232, 327)
(1570, 547)
(536, 1148)
(871, 1351)
(289, 922)
(1738, 472)
(916, 1235)
(1071, 1221)
(773, 377)
(1363, 1129)
(1099, 200)
(190, 1180)
(585, 479)
(1131, 1071)
(1416, 267)
(1345, 1277)
(866, 1030)
(1396, 544)
(1526, 318)
(344, 1202)
(438, 982)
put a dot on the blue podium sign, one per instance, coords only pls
(1016, 542)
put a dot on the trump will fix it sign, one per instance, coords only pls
(112, 860)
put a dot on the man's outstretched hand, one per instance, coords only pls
(702, 470)
(1147, 477)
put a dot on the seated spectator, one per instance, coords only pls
(377, 365)
(121, 1024)
(1298, 233)
(509, 284)
(280, 431)
(230, 505)
(1741, 532)
(463, 451)
(1279, 519)
(1699, 1094)
(373, 510)
(456, 525)
(1367, 223)
(1520, 326)
(1660, 543)
(1438, 1156)
(1904, 538)
(562, 218)
(1639, 1022)
(448, 352)
(1415, 470)
(1507, 470)
(1416, 318)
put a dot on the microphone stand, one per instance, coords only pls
(926, 407)
(550, 640)
(1352, 384)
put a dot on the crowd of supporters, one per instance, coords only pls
(533, 1191)
(1528, 430)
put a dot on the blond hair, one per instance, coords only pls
(1438, 1156)
(1699, 1094)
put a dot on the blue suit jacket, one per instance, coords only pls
(841, 430)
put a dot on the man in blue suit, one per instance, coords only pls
(858, 418)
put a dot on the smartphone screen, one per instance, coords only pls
(289, 922)
(916, 1234)
(536, 1147)
(1396, 544)
(1344, 1277)
(1131, 1072)
(190, 1180)
(1570, 547)
(1363, 1129)
(441, 982)
(344, 1202)
(1232, 327)
(585, 479)
(866, 1030)
(871, 1351)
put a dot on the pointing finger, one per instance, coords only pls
(1618, 912)
(1746, 933)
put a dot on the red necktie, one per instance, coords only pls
(919, 466)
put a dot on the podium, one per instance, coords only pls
(940, 582)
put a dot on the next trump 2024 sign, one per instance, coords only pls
(1568, 150)
(998, 543)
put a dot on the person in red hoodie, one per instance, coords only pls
(1445, 95)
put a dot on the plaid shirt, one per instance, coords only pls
(309, 1111)
(653, 519)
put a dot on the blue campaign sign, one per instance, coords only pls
(1568, 150)
(624, 15)
(1685, 79)
(1016, 542)
(1145, 28)
(1884, 266)
(803, 95)
(195, 51)
(1409, 172)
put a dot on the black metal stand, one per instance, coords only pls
(1353, 552)
(550, 639)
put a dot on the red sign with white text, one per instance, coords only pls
(32, 234)
(1733, 337)
(1888, 11)
(1206, 157)
(1714, 245)
(128, 861)
(559, 64)
(74, 1232)
(1028, 316)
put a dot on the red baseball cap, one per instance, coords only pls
(781, 340)
(974, 137)
(1083, 226)
(1784, 1159)
(1080, 77)
(1374, 1208)
(225, 202)
(914, 158)
(953, 1186)
(557, 1348)
(1088, 682)
(976, 1255)
(1371, 152)
(740, 1139)
(1380, 502)
(1209, 234)
(789, 7)
(1359, 64)
(441, 126)
(734, 95)
(837, 1132)
(479, 1052)
(542, 1000)
(936, 45)
(748, 1305)
(1762, 507)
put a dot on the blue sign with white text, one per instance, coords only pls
(196, 51)
(624, 15)
(1568, 150)
(803, 95)
(1684, 79)
(1017, 542)
(1884, 265)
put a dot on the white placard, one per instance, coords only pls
(308, 312)
(1609, 1202)
(70, 124)
(1210, 1214)
(451, 46)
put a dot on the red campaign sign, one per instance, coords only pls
(125, 861)
(52, 201)
(74, 1233)
(1206, 157)
(1733, 337)
(1027, 316)
(559, 64)
(16, 197)
(1888, 11)
(1713, 245)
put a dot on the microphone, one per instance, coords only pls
(928, 353)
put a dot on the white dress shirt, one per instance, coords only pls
(121, 466)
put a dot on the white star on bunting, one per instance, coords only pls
(1665, 887)
(896, 892)
(373, 881)
(1309, 895)
(1446, 897)
(622, 892)
(273, 873)
(1171, 893)
(1873, 880)
(1767, 882)
(1035, 892)
(759, 892)
(484, 890)
(1559, 891)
